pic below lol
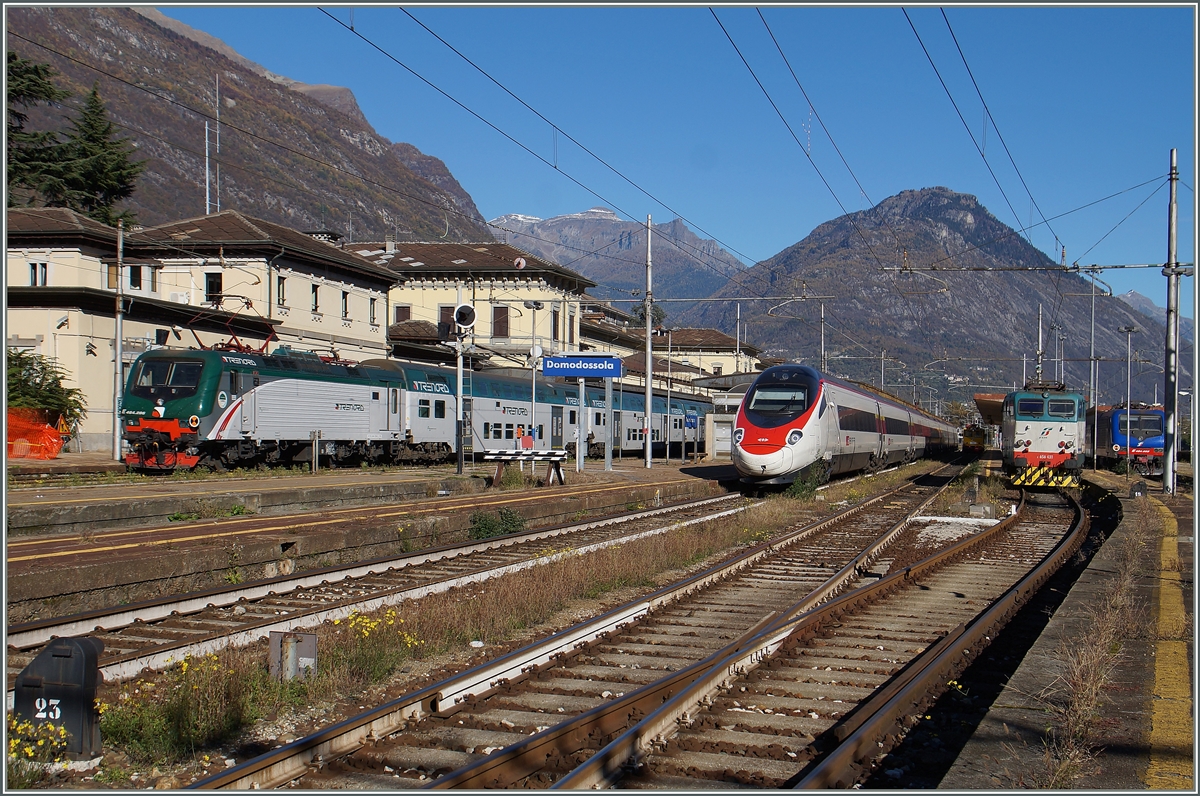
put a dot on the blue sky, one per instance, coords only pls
(1088, 101)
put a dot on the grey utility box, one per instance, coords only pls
(59, 687)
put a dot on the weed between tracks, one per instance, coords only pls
(183, 716)
(1087, 660)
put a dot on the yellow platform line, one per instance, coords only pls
(1172, 761)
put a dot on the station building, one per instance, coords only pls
(231, 279)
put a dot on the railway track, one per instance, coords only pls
(599, 664)
(154, 633)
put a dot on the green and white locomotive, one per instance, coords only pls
(219, 409)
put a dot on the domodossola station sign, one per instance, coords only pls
(575, 367)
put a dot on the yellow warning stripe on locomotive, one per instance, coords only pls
(1045, 476)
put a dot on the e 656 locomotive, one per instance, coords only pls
(1043, 435)
(794, 421)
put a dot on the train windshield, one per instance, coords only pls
(168, 379)
(1062, 407)
(780, 396)
(1031, 408)
(1143, 425)
(777, 399)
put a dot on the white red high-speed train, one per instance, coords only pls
(794, 418)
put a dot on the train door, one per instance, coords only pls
(394, 417)
(556, 428)
(378, 410)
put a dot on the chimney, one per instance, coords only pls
(389, 243)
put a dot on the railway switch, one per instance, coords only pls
(59, 687)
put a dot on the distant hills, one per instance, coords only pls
(605, 248)
(1152, 310)
(296, 154)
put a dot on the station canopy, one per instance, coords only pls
(990, 407)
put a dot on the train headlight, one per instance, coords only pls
(738, 433)
(194, 421)
(1116, 448)
(794, 436)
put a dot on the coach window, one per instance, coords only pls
(423, 407)
(37, 274)
(395, 401)
(281, 291)
(235, 382)
(402, 313)
(508, 431)
(487, 430)
(439, 409)
(571, 419)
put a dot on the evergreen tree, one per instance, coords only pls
(101, 171)
(36, 381)
(36, 160)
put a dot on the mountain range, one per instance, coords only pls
(611, 251)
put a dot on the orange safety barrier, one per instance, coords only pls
(32, 435)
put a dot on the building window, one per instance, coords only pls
(371, 312)
(571, 329)
(212, 288)
(316, 298)
(281, 291)
(402, 312)
(554, 325)
(446, 314)
(153, 279)
(345, 304)
(112, 276)
(500, 321)
(135, 277)
(717, 369)
(38, 274)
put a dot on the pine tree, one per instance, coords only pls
(101, 171)
(36, 160)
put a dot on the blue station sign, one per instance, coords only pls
(582, 367)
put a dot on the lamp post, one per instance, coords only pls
(668, 415)
(535, 351)
(1128, 331)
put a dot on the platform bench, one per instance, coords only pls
(553, 460)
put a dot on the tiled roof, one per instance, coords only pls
(425, 331)
(411, 258)
(703, 339)
(229, 228)
(57, 221)
(636, 363)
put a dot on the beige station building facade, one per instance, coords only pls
(227, 279)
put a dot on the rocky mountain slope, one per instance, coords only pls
(1152, 310)
(296, 154)
(961, 328)
(607, 249)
